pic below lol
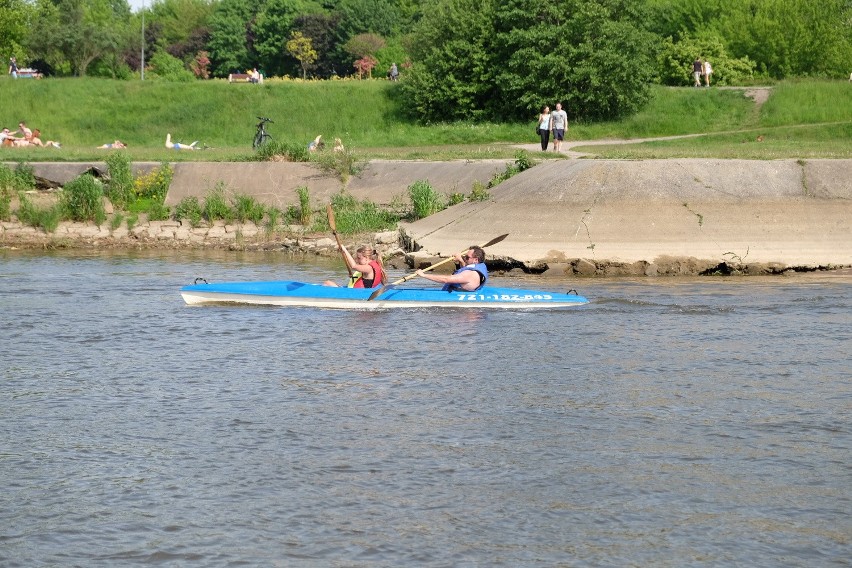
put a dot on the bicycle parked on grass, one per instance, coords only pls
(261, 136)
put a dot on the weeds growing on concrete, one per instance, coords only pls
(353, 216)
(189, 208)
(120, 186)
(82, 199)
(216, 205)
(304, 205)
(45, 218)
(247, 208)
(425, 200)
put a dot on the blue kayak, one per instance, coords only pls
(290, 293)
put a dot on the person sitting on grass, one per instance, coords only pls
(36, 140)
(177, 145)
(8, 139)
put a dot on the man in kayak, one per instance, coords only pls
(366, 268)
(469, 278)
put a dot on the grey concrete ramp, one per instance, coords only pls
(786, 211)
(275, 183)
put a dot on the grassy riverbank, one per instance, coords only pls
(799, 119)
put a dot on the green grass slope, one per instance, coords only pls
(83, 113)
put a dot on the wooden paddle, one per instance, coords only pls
(383, 289)
(333, 226)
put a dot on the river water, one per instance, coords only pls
(668, 423)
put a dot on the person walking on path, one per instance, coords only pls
(697, 69)
(708, 70)
(13, 67)
(544, 126)
(559, 121)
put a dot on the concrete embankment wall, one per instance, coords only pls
(785, 212)
(584, 214)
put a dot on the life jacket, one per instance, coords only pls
(483, 276)
(357, 279)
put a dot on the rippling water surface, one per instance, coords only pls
(668, 423)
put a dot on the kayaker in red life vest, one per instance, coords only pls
(367, 270)
(470, 277)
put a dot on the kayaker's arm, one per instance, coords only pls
(467, 280)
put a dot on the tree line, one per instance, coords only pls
(459, 59)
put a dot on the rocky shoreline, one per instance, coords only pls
(295, 241)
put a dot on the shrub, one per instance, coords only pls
(273, 215)
(457, 197)
(343, 164)
(425, 200)
(274, 150)
(304, 205)
(120, 188)
(216, 206)
(82, 199)
(155, 184)
(479, 192)
(190, 209)
(5, 205)
(169, 68)
(19, 179)
(246, 208)
(353, 216)
(523, 161)
(116, 221)
(158, 212)
(46, 219)
(24, 177)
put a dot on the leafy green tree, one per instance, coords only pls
(380, 17)
(320, 29)
(14, 19)
(504, 59)
(271, 31)
(783, 37)
(231, 44)
(792, 37)
(300, 48)
(364, 44)
(78, 32)
(593, 55)
(452, 77)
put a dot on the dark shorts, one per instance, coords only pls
(559, 134)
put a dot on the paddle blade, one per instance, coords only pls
(379, 291)
(331, 221)
(494, 241)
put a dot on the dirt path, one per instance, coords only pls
(758, 94)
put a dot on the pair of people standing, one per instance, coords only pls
(555, 122)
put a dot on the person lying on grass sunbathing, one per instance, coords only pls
(118, 144)
(178, 146)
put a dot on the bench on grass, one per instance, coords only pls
(242, 78)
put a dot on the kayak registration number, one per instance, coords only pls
(502, 297)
